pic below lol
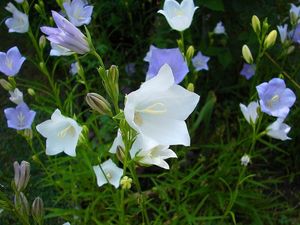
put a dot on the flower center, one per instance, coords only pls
(179, 12)
(108, 175)
(21, 119)
(68, 130)
(9, 63)
(273, 100)
(155, 109)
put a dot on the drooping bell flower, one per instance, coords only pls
(66, 35)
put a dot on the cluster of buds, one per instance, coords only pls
(19, 184)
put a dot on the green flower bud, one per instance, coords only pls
(38, 8)
(6, 85)
(31, 91)
(256, 24)
(42, 41)
(98, 103)
(190, 52)
(191, 87)
(114, 73)
(37, 210)
(270, 39)
(120, 153)
(247, 54)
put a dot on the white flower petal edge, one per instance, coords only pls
(148, 152)
(159, 107)
(279, 130)
(179, 16)
(108, 172)
(250, 112)
(117, 142)
(62, 134)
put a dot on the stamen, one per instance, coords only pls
(68, 130)
(273, 100)
(21, 119)
(156, 108)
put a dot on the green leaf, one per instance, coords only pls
(216, 5)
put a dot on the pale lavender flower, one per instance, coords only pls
(248, 70)
(130, 68)
(149, 53)
(19, 22)
(19, 1)
(279, 130)
(19, 118)
(74, 68)
(11, 62)
(219, 29)
(275, 98)
(78, 12)
(282, 32)
(250, 112)
(66, 35)
(16, 96)
(200, 62)
(245, 160)
(295, 34)
(172, 57)
(294, 13)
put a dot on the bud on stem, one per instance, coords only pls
(98, 103)
(247, 54)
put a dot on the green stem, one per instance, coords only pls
(93, 52)
(282, 71)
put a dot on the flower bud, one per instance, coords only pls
(180, 45)
(6, 85)
(27, 133)
(190, 52)
(270, 39)
(38, 8)
(247, 54)
(191, 87)
(42, 41)
(22, 174)
(290, 49)
(21, 204)
(98, 103)
(256, 24)
(31, 92)
(37, 210)
(114, 73)
(126, 182)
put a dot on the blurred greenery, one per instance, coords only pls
(201, 185)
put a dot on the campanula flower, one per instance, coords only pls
(19, 118)
(245, 160)
(294, 14)
(78, 12)
(283, 32)
(275, 98)
(66, 35)
(159, 107)
(117, 142)
(219, 29)
(279, 130)
(11, 62)
(295, 34)
(108, 172)
(147, 152)
(19, 1)
(250, 112)
(179, 16)
(18, 22)
(248, 70)
(62, 134)
(16, 96)
(74, 68)
(58, 50)
(172, 57)
(200, 62)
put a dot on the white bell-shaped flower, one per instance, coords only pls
(16, 96)
(108, 172)
(279, 130)
(18, 22)
(62, 134)
(148, 152)
(250, 112)
(159, 107)
(179, 16)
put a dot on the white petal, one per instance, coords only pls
(117, 142)
(100, 176)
